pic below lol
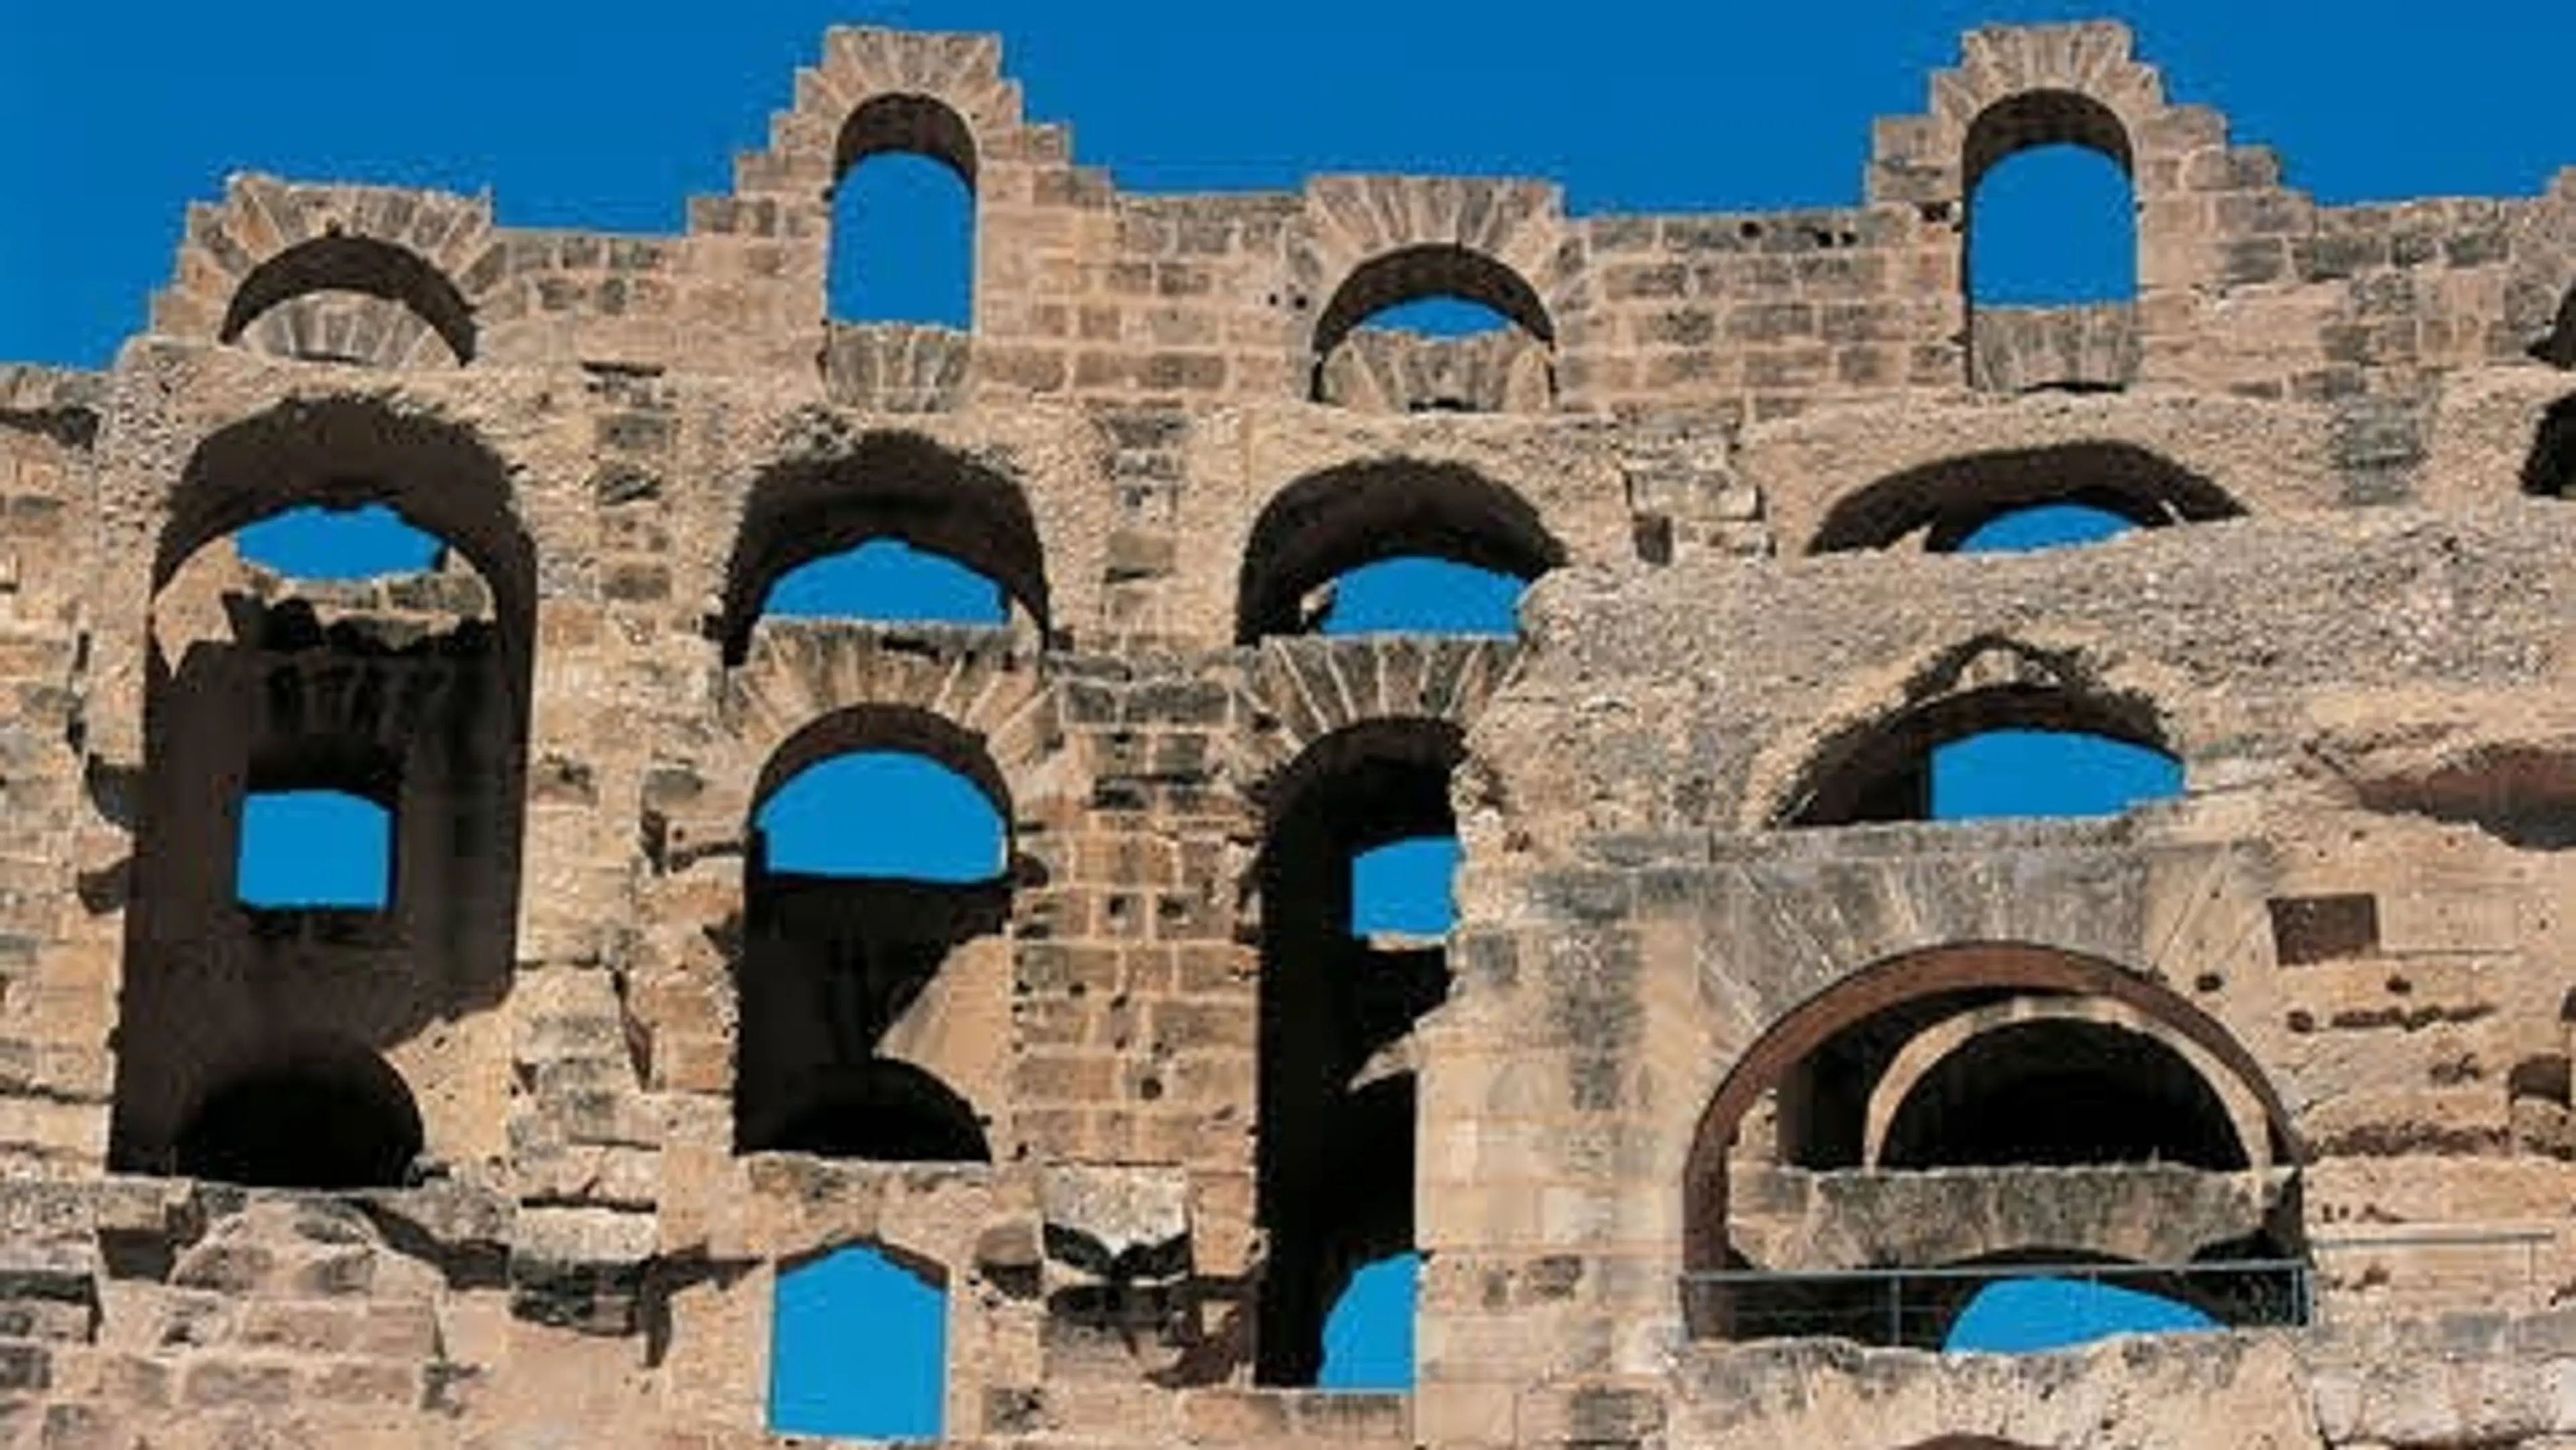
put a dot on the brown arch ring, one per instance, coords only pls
(1903, 978)
(1933, 1045)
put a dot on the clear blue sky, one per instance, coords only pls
(579, 113)
(113, 118)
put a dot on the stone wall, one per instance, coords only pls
(1699, 982)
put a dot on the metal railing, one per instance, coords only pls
(1916, 1308)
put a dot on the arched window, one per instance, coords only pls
(423, 316)
(1360, 834)
(2019, 1073)
(2051, 236)
(1429, 548)
(858, 1348)
(893, 528)
(315, 848)
(903, 215)
(1434, 328)
(882, 814)
(880, 849)
(331, 1119)
(2030, 497)
(334, 772)
(2009, 751)
(2052, 218)
(1368, 1336)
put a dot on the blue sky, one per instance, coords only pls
(113, 118)
(583, 113)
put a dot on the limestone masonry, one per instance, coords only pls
(1724, 1031)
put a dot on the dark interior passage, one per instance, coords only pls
(341, 1122)
(2062, 1093)
(868, 870)
(1336, 1142)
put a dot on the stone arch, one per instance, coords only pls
(421, 297)
(1328, 523)
(2047, 116)
(938, 93)
(2020, 86)
(887, 1110)
(1928, 1049)
(1946, 500)
(805, 695)
(1914, 976)
(344, 451)
(319, 1113)
(845, 986)
(2024, 85)
(258, 268)
(433, 729)
(2061, 1090)
(1299, 693)
(1869, 768)
(906, 728)
(900, 485)
(1420, 271)
(1367, 243)
(909, 123)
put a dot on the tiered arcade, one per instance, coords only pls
(1724, 1032)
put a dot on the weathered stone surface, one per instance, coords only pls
(1728, 1052)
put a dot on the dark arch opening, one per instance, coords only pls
(401, 703)
(2550, 472)
(1332, 523)
(355, 264)
(829, 961)
(326, 1119)
(1335, 1150)
(2061, 1093)
(1418, 273)
(1884, 771)
(1948, 501)
(890, 485)
(1424, 274)
(903, 236)
(347, 453)
(885, 1111)
(1890, 1001)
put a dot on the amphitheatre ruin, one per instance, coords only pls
(1734, 1076)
